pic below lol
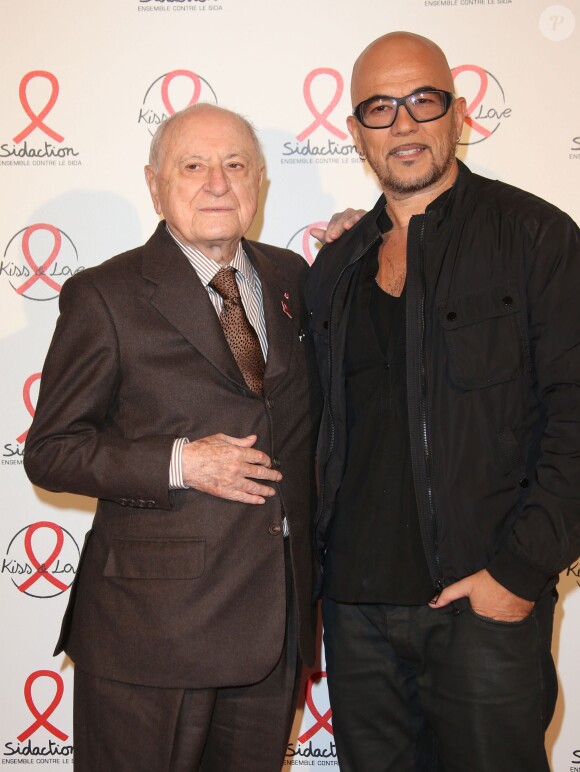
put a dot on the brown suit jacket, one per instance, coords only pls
(177, 588)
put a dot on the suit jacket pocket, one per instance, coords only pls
(486, 337)
(155, 559)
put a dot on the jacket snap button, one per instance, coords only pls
(507, 300)
(451, 316)
(275, 529)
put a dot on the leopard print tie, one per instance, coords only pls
(240, 335)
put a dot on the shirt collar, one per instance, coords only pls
(206, 268)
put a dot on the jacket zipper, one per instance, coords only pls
(431, 546)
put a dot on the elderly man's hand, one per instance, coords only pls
(339, 223)
(229, 467)
(488, 598)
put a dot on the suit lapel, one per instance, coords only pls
(180, 297)
(280, 327)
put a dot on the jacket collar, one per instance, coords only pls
(438, 208)
(441, 207)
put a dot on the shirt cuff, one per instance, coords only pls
(175, 469)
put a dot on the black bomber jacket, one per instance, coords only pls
(493, 379)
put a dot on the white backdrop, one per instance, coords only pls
(83, 86)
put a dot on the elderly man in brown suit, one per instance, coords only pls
(178, 391)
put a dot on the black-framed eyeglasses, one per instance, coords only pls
(380, 112)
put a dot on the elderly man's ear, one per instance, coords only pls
(151, 179)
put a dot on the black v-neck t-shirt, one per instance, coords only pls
(375, 550)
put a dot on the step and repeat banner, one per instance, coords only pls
(83, 87)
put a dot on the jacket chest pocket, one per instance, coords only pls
(485, 334)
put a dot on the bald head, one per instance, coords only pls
(169, 125)
(399, 58)
(411, 156)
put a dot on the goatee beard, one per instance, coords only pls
(397, 185)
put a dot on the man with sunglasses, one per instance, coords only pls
(448, 341)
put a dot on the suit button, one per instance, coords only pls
(451, 316)
(123, 502)
(507, 300)
(524, 482)
(275, 463)
(270, 402)
(150, 504)
(275, 529)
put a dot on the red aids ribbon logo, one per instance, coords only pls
(41, 560)
(39, 271)
(302, 241)
(30, 265)
(41, 572)
(187, 88)
(285, 306)
(28, 400)
(483, 119)
(178, 74)
(483, 83)
(320, 118)
(306, 237)
(322, 720)
(37, 119)
(42, 717)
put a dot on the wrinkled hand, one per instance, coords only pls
(228, 467)
(339, 223)
(488, 598)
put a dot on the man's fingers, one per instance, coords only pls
(248, 492)
(318, 233)
(250, 456)
(230, 468)
(449, 594)
(260, 472)
(256, 458)
(487, 597)
(256, 489)
(242, 442)
(339, 223)
(348, 215)
(343, 221)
